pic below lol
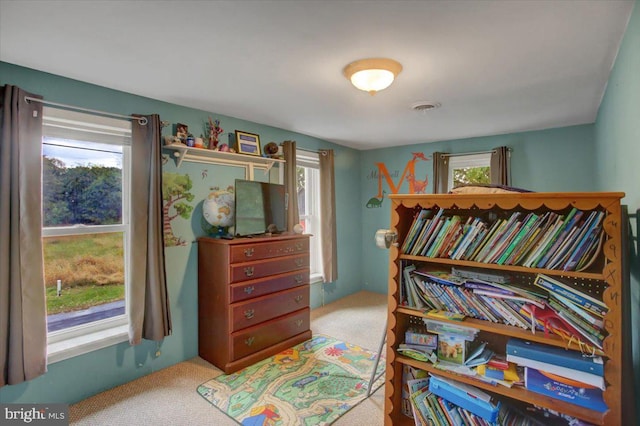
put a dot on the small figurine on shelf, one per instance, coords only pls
(214, 133)
(199, 143)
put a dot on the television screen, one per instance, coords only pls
(260, 208)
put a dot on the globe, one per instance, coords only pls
(217, 208)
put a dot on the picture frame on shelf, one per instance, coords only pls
(248, 143)
(182, 131)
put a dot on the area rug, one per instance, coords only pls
(313, 383)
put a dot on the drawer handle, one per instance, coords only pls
(249, 313)
(298, 246)
(299, 322)
(249, 289)
(248, 271)
(298, 298)
(248, 252)
(298, 279)
(299, 261)
(249, 341)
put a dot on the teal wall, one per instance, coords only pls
(617, 132)
(539, 163)
(598, 156)
(121, 363)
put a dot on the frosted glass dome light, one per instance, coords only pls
(372, 75)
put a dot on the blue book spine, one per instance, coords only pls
(556, 356)
(451, 304)
(571, 219)
(584, 242)
(561, 256)
(462, 297)
(414, 231)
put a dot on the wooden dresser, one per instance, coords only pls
(253, 298)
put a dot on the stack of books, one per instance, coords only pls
(560, 373)
(551, 240)
(438, 401)
(419, 344)
(442, 402)
(582, 314)
(459, 293)
(409, 373)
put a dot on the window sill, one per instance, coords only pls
(74, 346)
(316, 278)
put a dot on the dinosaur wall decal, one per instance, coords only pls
(376, 202)
(419, 186)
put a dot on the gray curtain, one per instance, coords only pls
(147, 296)
(440, 173)
(501, 166)
(329, 240)
(291, 183)
(23, 310)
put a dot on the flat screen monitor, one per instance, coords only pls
(259, 208)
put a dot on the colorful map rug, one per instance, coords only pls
(312, 383)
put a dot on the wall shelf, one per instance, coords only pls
(200, 155)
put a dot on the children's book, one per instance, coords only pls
(480, 355)
(418, 391)
(555, 286)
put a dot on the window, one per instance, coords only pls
(85, 188)
(468, 169)
(309, 207)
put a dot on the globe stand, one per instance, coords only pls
(221, 232)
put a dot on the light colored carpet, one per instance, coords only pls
(169, 397)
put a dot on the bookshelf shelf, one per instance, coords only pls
(602, 275)
(518, 393)
(502, 329)
(511, 268)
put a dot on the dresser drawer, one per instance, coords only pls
(256, 338)
(262, 268)
(255, 311)
(257, 251)
(262, 286)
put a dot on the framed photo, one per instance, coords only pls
(247, 143)
(182, 131)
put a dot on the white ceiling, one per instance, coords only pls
(496, 66)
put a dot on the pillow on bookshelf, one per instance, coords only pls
(480, 188)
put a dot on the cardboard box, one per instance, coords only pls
(452, 348)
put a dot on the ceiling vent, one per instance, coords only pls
(424, 106)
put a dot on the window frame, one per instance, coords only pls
(77, 340)
(466, 161)
(311, 160)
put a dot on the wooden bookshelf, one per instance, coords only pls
(606, 273)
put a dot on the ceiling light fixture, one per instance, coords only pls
(372, 75)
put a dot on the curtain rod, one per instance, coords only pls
(321, 152)
(491, 151)
(142, 120)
